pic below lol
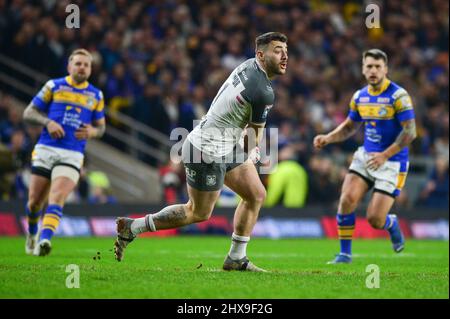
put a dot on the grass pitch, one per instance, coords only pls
(190, 267)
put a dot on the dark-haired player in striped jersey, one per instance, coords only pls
(382, 162)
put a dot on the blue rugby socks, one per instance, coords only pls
(346, 227)
(33, 220)
(51, 221)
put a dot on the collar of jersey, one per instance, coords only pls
(383, 88)
(261, 68)
(83, 85)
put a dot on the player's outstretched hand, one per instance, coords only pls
(320, 141)
(55, 130)
(84, 132)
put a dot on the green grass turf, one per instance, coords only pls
(190, 267)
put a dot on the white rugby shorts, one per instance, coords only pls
(44, 158)
(388, 178)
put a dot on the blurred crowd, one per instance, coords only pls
(162, 63)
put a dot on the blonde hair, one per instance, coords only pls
(80, 52)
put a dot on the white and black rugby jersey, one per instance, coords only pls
(245, 97)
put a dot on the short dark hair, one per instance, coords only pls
(377, 54)
(266, 38)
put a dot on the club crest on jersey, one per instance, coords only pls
(211, 180)
(383, 111)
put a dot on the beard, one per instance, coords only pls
(274, 67)
(79, 78)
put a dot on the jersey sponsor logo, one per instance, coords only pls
(190, 173)
(65, 88)
(376, 112)
(211, 180)
(74, 98)
(236, 80)
(364, 99)
(90, 93)
(72, 119)
(383, 100)
(372, 135)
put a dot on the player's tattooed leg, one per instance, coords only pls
(171, 217)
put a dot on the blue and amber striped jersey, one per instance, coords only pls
(382, 113)
(70, 105)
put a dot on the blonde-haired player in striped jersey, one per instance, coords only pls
(66, 107)
(382, 162)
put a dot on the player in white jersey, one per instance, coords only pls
(213, 156)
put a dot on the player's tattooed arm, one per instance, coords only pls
(34, 116)
(406, 136)
(344, 131)
(339, 134)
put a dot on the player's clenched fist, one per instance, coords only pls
(320, 141)
(55, 130)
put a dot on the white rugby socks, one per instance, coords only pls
(142, 225)
(238, 248)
